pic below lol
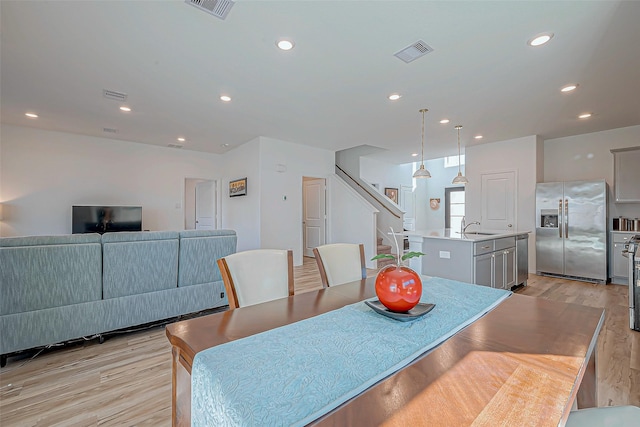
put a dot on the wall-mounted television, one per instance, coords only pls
(105, 219)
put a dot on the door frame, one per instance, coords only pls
(326, 212)
(447, 199)
(217, 211)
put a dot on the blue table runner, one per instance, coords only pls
(294, 374)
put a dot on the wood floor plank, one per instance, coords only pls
(127, 380)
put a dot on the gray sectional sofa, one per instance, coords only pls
(59, 288)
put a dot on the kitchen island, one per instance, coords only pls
(492, 258)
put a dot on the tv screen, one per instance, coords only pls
(105, 219)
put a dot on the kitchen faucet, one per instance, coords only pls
(464, 226)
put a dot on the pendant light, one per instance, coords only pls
(422, 172)
(460, 179)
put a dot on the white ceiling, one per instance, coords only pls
(330, 91)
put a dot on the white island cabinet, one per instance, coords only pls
(485, 258)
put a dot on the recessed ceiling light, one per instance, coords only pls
(584, 116)
(125, 109)
(540, 39)
(224, 145)
(395, 96)
(181, 139)
(444, 121)
(285, 44)
(478, 137)
(225, 98)
(31, 115)
(414, 154)
(569, 88)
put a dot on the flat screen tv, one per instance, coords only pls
(105, 219)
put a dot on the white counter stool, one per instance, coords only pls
(606, 416)
(340, 263)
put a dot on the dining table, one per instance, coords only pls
(528, 361)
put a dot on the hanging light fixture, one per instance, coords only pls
(460, 179)
(422, 172)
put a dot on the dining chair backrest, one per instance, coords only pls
(620, 416)
(256, 276)
(340, 263)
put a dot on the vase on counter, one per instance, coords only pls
(398, 287)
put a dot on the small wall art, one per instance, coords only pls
(238, 187)
(392, 193)
(434, 204)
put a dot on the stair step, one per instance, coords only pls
(384, 249)
(385, 261)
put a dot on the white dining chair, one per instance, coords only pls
(606, 416)
(340, 263)
(257, 276)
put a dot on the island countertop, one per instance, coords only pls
(471, 235)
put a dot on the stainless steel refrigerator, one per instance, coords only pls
(571, 229)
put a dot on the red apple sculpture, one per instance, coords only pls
(398, 288)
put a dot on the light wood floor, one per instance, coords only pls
(127, 380)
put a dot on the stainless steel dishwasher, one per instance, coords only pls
(522, 258)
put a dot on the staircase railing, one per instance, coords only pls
(390, 214)
(370, 193)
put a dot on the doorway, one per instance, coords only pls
(408, 205)
(453, 207)
(200, 204)
(314, 214)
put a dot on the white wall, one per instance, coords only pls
(520, 155)
(282, 168)
(242, 213)
(433, 188)
(588, 156)
(44, 173)
(386, 174)
(353, 219)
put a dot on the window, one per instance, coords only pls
(454, 207)
(452, 161)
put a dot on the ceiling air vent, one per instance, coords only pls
(413, 52)
(112, 94)
(109, 130)
(172, 145)
(217, 8)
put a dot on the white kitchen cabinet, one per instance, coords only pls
(626, 174)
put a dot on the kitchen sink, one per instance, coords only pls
(479, 233)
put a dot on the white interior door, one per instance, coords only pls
(408, 205)
(205, 205)
(499, 201)
(314, 214)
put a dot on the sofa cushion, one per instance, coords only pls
(40, 272)
(199, 251)
(138, 236)
(67, 239)
(139, 262)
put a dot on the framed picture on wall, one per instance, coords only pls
(392, 193)
(238, 187)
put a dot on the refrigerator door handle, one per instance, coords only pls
(566, 218)
(560, 218)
